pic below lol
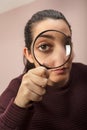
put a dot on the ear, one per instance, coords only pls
(28, 55)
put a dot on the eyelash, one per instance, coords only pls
(47, 48)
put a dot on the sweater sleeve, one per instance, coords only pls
(11, 115)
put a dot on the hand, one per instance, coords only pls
(32, 87)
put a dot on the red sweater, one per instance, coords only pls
(64, 109)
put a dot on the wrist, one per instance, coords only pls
(22, 104)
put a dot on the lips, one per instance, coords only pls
(62, 70)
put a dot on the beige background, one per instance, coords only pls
(12, 40)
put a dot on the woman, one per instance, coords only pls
(51, 93)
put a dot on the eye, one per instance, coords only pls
(44, 47)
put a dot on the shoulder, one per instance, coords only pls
(79, 65)
(79, 72)
(11, 91)
(15, 82)
(80, 68)
(12, 88)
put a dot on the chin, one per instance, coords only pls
(60, 77)
(60, 80)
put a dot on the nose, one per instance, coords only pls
(58, 56)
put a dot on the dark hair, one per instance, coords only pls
(37, 17)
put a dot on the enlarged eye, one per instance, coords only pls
(44, 47)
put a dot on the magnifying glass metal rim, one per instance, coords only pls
(34, 53)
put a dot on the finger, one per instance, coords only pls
(34, 97)
(40, 71)
(40, 81)
(36, 89)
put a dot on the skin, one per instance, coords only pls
(34, 82)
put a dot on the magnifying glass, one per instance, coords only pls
(49, 43)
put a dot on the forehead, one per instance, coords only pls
(51, 24)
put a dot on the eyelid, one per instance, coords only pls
(44, 43)
(48, 47)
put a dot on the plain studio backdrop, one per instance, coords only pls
(12, 24)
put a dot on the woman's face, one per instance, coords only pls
(58, 75)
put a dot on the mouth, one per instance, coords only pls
(61, 70)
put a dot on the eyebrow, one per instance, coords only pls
(47, 36)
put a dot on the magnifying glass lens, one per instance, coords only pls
(50, 44)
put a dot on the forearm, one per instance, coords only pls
(13, 117)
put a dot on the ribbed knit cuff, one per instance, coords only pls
(14, 115)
